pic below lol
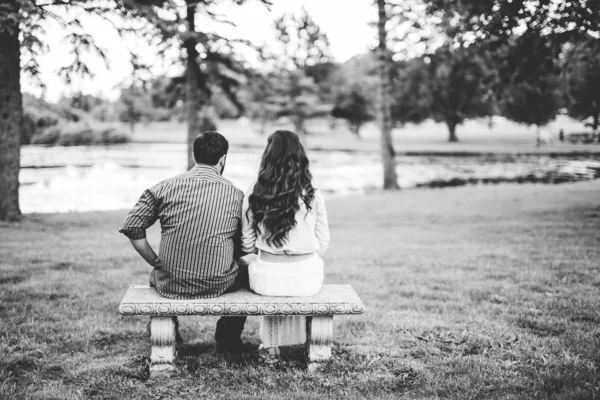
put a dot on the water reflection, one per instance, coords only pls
(63, 179)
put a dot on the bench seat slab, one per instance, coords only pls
(331, 300)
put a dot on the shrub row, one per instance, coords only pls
(79, 134)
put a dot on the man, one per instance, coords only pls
(200, 217)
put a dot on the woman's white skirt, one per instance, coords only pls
(301, 278)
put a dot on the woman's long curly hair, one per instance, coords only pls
(283, 180)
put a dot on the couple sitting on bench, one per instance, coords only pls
(215, 239)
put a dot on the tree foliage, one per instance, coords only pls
(210, 59)
(530, 91)
(582, 80)
(412, 95)
(450, 85)
(461, 81)
(133, 106)
(561, 21)
(22, 28)
(534, 102)
(286, 86)
(528, 35)
(352, 104)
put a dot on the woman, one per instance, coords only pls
(285, 222)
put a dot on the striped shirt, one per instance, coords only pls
(200, 218)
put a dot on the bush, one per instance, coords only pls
(79, 134)
(112, 135)
(161, 114)
(48, 136)
(76, 134)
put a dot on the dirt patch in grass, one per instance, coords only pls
(586, 317)
(53, 372)
(61, 266)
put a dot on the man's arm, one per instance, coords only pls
(141, 217)
(145, 250)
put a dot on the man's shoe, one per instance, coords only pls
(269, 356)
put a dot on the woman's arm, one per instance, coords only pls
(321, 224)
(248, 233)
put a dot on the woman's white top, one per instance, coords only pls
(310, 235)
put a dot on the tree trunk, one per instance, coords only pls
(300, 129)
(538, 137)
(11, 115)
(192, 71)
(390, 179)
(263, 120)
(355, 129)
(595, 134)
(452, 138)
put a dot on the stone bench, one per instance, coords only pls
(319, 311)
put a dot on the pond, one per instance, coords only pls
(63, 179)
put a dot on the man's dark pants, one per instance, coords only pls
(229, 329)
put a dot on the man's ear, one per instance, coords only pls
(221, 163)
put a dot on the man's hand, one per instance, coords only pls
(145, 250)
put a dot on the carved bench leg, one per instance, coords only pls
(319, 334)
(162, 338)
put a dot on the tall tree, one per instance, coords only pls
(299, 57)
(530, 80)
(193, 104)
(461, 82)
(210, 59)
(21, 41)
(23, 19)
(533, 102)
(133, 106)
(450, 86)
(390, 178)
(352, 104)
(11, 109)
(582, 80)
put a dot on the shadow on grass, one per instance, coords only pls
(13, 279)
(541, 326)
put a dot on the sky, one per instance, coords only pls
(346, 23)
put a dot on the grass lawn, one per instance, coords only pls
(483, 292)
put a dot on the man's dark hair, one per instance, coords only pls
(209, 147)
